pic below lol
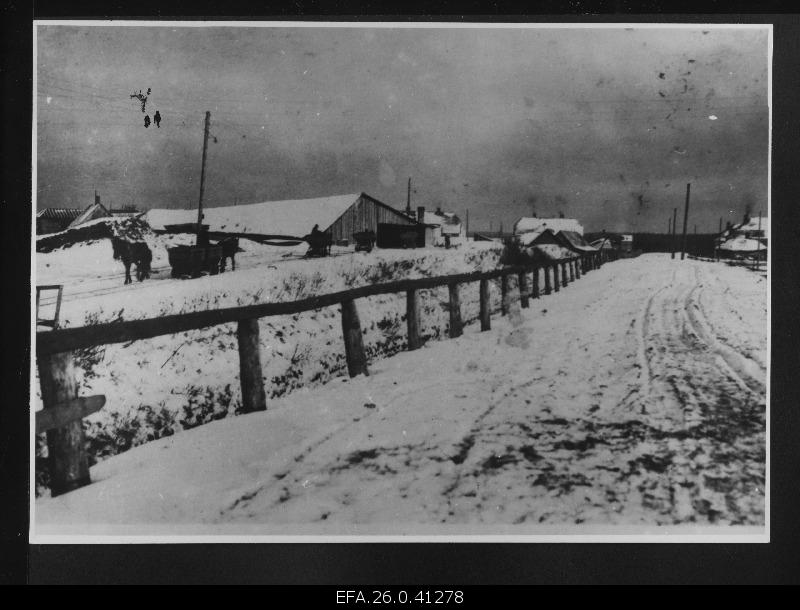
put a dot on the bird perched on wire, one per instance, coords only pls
(142, 98)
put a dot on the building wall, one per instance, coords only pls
(51, 225)
(364, 215)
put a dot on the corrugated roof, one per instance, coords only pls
(59, 213)
(294, 217)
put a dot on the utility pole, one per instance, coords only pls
(202, 179)
(718, 241)
(685, 220)
(674, 221)
(758, 247)
(466, 228)
(408, 199)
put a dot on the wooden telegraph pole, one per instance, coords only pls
(758, 247)
(685, 220)
(674, 221)
(202, 179)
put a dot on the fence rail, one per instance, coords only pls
(63, 410)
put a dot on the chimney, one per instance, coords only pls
(420, 213)
(96, 197)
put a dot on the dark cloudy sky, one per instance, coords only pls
(604, 125)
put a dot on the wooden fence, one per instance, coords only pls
(63, 409)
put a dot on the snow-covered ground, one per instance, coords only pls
(634, 397)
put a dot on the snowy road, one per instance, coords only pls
(636, 396)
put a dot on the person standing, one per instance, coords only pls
(146, 121)
(157, 119)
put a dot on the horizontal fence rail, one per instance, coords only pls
(63, 409)
(69, 339)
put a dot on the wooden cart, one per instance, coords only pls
(194, 261)
(365, 240)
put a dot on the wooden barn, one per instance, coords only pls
(341, 216)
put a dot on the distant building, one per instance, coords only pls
(441, 227)
(572, 240)
(93, 212)
(53, 220)
(748, 238)
(544, 244)
(526, 224)
(124, 212)
(626, 243)
(340, 216)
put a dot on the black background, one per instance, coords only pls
(364, 564)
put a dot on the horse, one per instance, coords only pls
(319, 242)
(133, 253)
(230, 246)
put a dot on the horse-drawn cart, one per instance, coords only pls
(319, 244)
(365, 240)
(193, 261)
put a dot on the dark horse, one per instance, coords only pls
(230, 246)
(133, 253)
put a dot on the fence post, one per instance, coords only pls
(251, 376)
(556, 278)
(353, 340)
(485, 315)
(455, 311)
(522, 282)
(546, 270)
(535, 288)
(504, 294)
(66, 446)
(412, 319)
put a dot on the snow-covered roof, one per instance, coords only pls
(550, 252)
(576, 241)
(602, 244)
(740, 243)
(93, 212)
(529, 237)
(752, 226)
(525, 224)
(294, 217)
(445, 218)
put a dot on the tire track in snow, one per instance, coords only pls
(737, 365)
